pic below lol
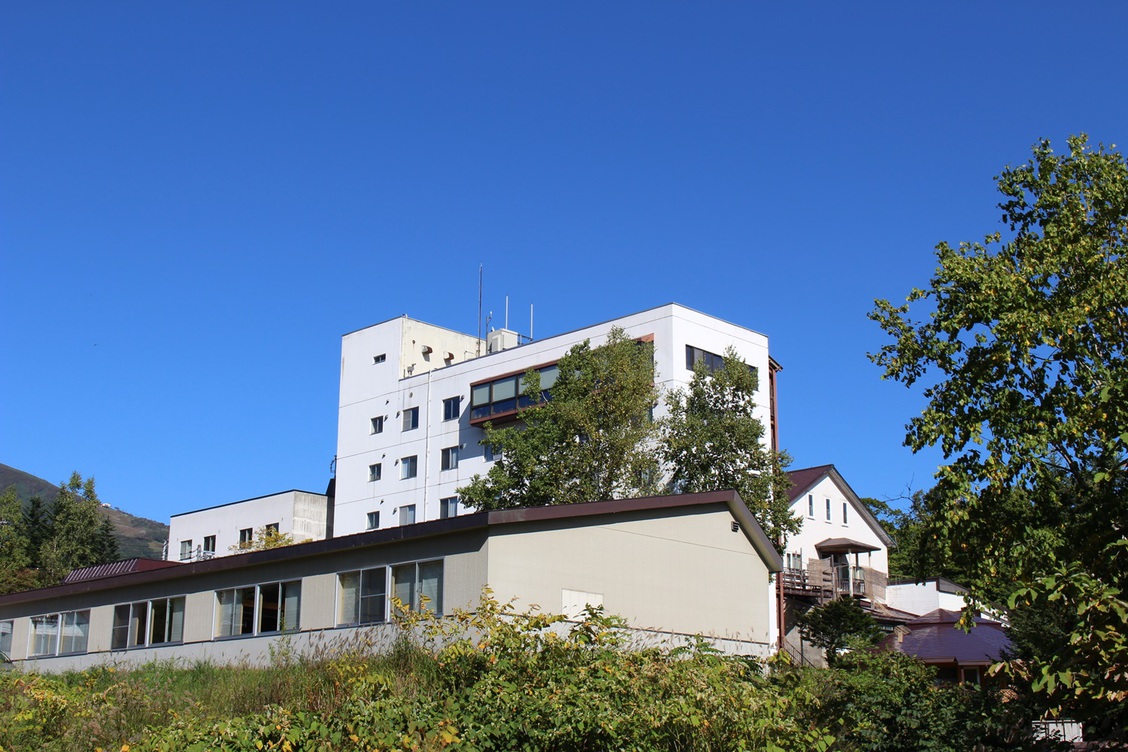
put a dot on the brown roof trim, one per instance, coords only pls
(422, 530)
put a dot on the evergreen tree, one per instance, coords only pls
(78, 535)
(36, 528)
(14, 572)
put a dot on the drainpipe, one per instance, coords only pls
(779, 609)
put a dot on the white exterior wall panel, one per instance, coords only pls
(817, 528)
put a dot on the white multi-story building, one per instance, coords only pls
(414, 398)
(229, 528)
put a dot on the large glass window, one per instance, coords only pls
(258, 609)
(505, 394)
(712, 361)
(419, 585)
(364, 596)
(58, 634)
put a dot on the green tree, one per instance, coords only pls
(712, 440)
(1022, 351)
(591, 441)
(36, 528)
(14, 561)
(78, 533)
(839, 624)
(265, 538)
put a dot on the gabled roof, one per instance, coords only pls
(496, 522)
(802, 481)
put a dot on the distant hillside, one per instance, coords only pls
(136, 536)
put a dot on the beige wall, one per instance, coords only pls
(689, 574)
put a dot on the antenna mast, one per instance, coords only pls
(479, 353)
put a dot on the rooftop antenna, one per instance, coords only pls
(530, 322)
(506, 311)
(479, 352)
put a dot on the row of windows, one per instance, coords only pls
(452, 408)
(712, 361)
(409, 466)
(506, 394)
(448, 507)
(251, 610)
(829, 517)
(364, 593)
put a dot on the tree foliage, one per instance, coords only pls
(838, 624)
(589, 442)
(1022, 347)
(41, 544)
(712, 440)
(264, 538)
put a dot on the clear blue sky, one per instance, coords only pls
(198, 199)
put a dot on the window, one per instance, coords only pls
(712, 361)
(363, 596)
(407, 515)
(811, 506)
(450, 458)
(378, 424)
(828, 510)
(506, 394)
(411, 418)
(246, 537)
(452, 408)
(845, 515)
(146, 623)
(209, 546)
(795, 561)
(409, 467)
(6, 637)
(373, 520)
(258, 609)
(419, 586)
(377, 359)
(185, 550)
(448, 507)
(491, 453)
(271, 527)
(59, 634)
(374, 472)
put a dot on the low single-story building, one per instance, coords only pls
(958, 656)
(671, 566)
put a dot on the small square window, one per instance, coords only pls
(377, 359)
(452, 408)
(411, 418)
(186, 550)
(246, 536)
(407, 515)
(373, 520)
(374, 472)
(491, 453)
(448, 507)
(209, 544)
(378, 424)
(450, 458)
(272, 527)
(409, 467)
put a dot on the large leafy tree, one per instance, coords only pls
(1021, 343)
(712, 440)
(838, 624)
(591, 441)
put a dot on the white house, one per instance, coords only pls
(673, 566)
(414, 396)
(221, 530)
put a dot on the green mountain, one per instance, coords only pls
(136, 536)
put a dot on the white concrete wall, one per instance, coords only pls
(817, 528)
(298, 513)
(369, 390)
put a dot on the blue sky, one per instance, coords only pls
(198, 199)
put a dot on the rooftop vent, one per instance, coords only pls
(501, 339)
